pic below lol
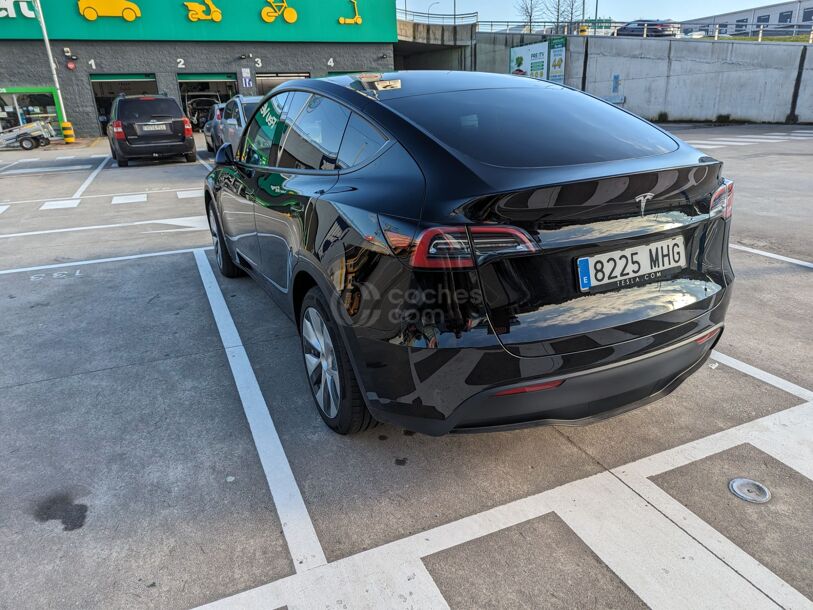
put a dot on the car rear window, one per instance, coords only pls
(544, 126)
(146, 109)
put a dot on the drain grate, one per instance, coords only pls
(750, 491)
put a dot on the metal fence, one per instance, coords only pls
(438, 18)
(744, 30)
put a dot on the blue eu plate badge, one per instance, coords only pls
(584, 273)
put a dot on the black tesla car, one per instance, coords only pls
(466, 252)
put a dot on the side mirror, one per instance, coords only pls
(225, 155)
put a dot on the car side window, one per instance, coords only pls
(229, 112)
(361, 142)
(261, 144)
(238, 115)
(314, 139)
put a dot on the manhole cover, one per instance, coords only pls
(750, 491)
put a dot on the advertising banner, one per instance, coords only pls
(556, 69)
(204, 20)
(530, 60)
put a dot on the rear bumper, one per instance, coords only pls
(583, 397)
(145, 151)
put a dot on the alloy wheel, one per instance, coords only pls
(321, 362)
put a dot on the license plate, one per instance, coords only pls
(158, 127)
(633, 266)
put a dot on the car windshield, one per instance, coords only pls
(147, 109)
(544, 126)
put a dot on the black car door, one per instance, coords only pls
(309, 134)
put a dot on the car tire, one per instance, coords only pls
(225, 264)
(191, 157)
(122, 161)
(28, 143)
(328, 369)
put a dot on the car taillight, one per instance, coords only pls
(187, 128)
(449, 247)
(722, 202)
(218, 115)
(118, 130)
(708, 336)
(534, 387)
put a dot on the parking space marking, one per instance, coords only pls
(119, 199)
(187, 222)
(190, 194)
(86, 184)
(99, 261)
(687, 561)
(110, 195)
(60, 204)
(300, 534)
(3, 208)
(66, 158)
(778, 257)
(3, 169)
(44, 170)
(763, 376)
(204, 164)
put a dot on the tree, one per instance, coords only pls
(529, 11)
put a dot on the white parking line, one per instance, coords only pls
(664, 553)
(204, 164)
(187, 222)
(3, 208)
(61, 204)
(778, 257)
(99, 261)
(8, 166)
(66, 158)
(190, 194)
(149, 192)
(764, 376)
(297, 527)
(45, 170)
(86, 184)
(141, 198)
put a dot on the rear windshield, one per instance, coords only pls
(147, 109)
(545, 126)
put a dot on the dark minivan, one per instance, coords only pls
(149, 127)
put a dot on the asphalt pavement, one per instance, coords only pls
(160, 448)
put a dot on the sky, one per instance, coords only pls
(619, 10)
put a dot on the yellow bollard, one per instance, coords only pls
(67, 132)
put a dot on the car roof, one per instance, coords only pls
(385, 86)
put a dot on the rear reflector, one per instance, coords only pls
(707, 337)
(449, 247)
(527, 389)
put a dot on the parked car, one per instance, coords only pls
(235, 117)
(212, 126)
(149, 127)
(457, 260)
(197, 108)
(656, 29)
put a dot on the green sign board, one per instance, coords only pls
(204, 20)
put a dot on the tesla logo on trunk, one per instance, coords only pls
(643, 200)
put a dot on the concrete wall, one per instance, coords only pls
(24, 63)
(685, 80)
(698, 80)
